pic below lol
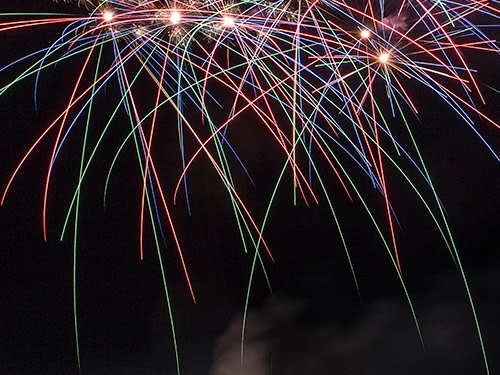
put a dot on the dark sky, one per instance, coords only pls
(314, 323)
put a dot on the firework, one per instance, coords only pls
(332, 83)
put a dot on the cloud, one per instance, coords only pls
(289, 336)
(261, 325)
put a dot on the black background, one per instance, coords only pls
(123, 319)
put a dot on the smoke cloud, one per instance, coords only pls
(287, 336)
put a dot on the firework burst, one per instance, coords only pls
(332, 82)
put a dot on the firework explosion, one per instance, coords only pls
(332, 82)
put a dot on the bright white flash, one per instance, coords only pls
(107, 15)
(384, 57)
(365, 34)
(175, 17)
(228, 21)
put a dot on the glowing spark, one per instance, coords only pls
(108, 16)
(365, 34)
(228, 21)
(384, 57)
(175, 17)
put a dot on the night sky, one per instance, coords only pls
(313, 323)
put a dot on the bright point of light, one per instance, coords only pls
(365, 34)
(175, 17)
(228, 21)
(384, 57)
(107, 15)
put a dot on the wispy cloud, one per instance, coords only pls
(286, 336)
